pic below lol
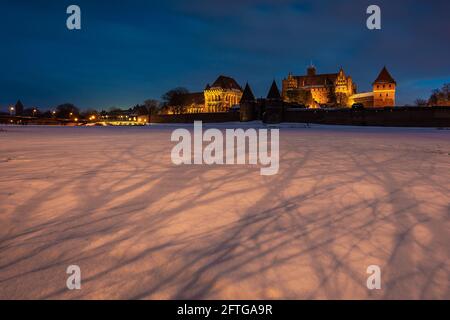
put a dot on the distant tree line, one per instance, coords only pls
(171, 102)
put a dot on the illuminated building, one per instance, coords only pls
(338, 89)
(384, 90)
(383, 94)
(323, 87)
(224, 93)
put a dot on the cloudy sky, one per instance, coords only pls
(129, 51)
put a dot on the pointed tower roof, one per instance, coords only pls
(207, 86)
(274, 93)
(248, 94)
(19, 104)
(384, 77)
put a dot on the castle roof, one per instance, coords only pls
(274, 93)
(316, 80)
(226, 83)
(384, 77)
(248, 94)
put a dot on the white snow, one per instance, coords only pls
(110, 200)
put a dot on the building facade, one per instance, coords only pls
(224, 93)
(337, 89)
(323, 88)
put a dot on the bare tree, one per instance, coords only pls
(152, 106)
(441, 97)
(341, 99)
(67, 110)
(174, 100)
(300, 96)
(421, 102)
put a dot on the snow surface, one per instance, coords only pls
(110, 200)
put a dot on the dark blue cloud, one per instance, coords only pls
(130, 51)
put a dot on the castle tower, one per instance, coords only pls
(311, 71)
(384, 90)
(247, 105)
(19, 108)
(273, 105)
(290, 83)
(274, 93)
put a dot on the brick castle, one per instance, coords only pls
(312, 90)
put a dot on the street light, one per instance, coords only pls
(11, 111)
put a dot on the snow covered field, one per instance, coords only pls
(110, 200)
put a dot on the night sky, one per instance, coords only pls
(129, 51)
